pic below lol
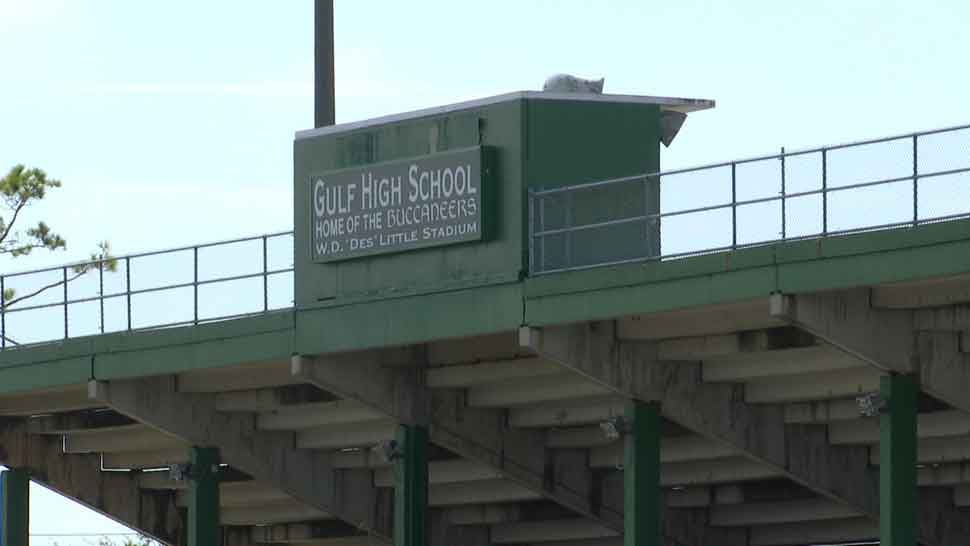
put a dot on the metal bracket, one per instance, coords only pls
(872, 404)
(615, 427)
(388, 450)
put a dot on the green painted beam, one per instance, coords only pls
(204, 497)
(643, 501)
(411, 486)
(897, 462)
(15, 484)
(865, 259)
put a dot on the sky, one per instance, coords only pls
(171, 123)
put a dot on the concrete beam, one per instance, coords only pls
(847, 320)
(922, 293)
(481, 492)
(242, 377)
(446, 471)
(937, 424)
(800, 452)
(270, 399)
(76, 422)
(936, 450)
(72, 398)
(717, 471)
(483, 514)
(490, 371)
(287, 511)
(323, 532)
(549, 531)
(674, 449)
(886, 338)
(79, 477)
(815, 532)
(129, 460)
(564, 413)
(266, 456)
(126, 438)
(812, 387)
(943, 474)
(392, 382)
(231, 494)
(764, 513)
(518, 392)
(821, 411)
(713, 410)
(708, 320)
(698, 348)
(365, 434)
(305, 416)
(781, 363)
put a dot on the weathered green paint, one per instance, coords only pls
(572, 142)
(897, 462)
(800, 267)
(643, 500)
(496, 303)
(417, 319)
(16, 507)
(45, 375)
(204, 497)
(411, 486)
(497, 128)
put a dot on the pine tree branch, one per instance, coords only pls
(43, 289)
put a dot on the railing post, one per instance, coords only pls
(734, 206)
(915, 181)
(825, 192)
(568, 222)
(128, 288)
(265, 276)
(101, 293)
(195, 285)
(541, 203)
(532, 231)
(3, 312)
(783, 219)
(64, 280)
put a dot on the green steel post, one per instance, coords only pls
(204, 497)
(643, 501)
(897, 462)
(411, 486)
(16, 507)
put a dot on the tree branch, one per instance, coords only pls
(13, 220)
(43, 289)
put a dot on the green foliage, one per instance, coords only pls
(18, 189)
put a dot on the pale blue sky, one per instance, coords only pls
(171, 123)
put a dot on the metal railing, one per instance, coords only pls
(161, 289)
(885, 183)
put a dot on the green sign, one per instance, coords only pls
(401, 205)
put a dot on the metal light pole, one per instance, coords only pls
(323, 86)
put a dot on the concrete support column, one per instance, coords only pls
(15, 510)
(643, 501)
(897, 462)
(411, 486)
(204, 497)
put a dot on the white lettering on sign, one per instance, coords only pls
(428, 201)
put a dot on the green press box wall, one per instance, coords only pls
(528, 142)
